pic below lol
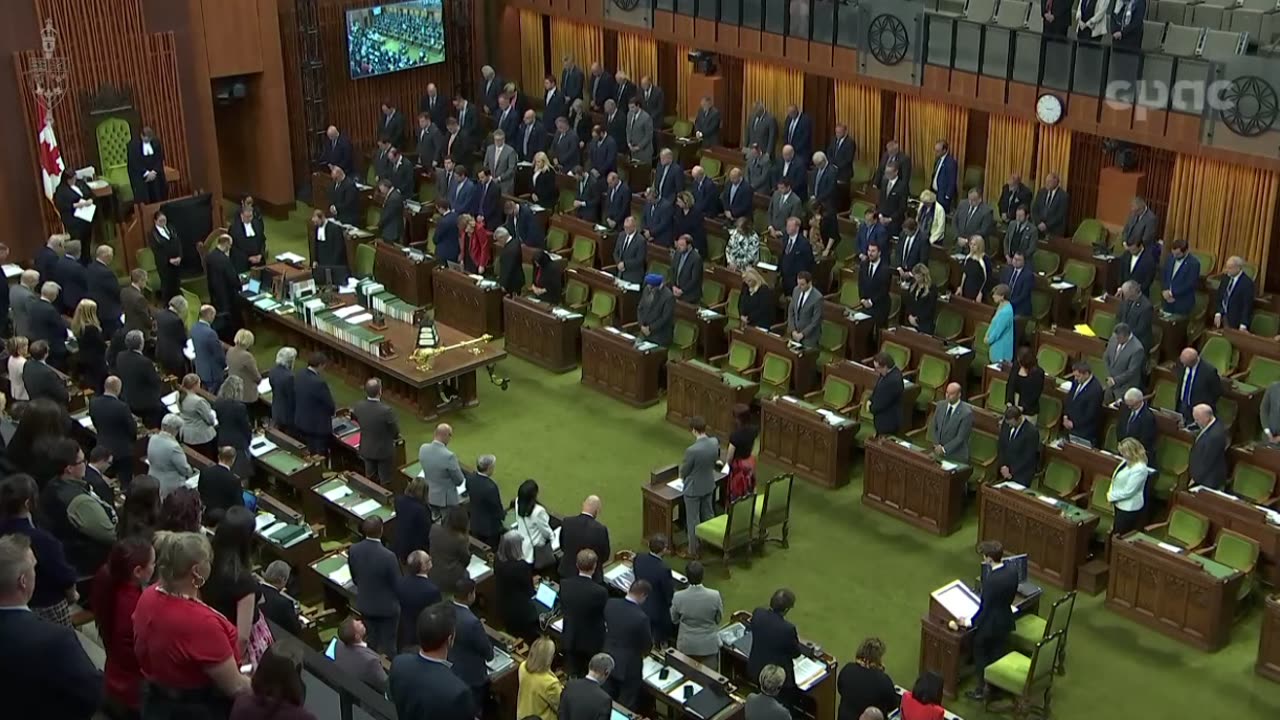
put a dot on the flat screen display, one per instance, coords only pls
(399, 36)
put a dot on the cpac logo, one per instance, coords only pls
(1190, 96)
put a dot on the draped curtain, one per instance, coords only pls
(684, 109)
(638, 56)
(533, 56)
(776, 86)
(1010, 145)
(1223, 209)
(858, 107)
(1053, 154)
(919, 123)
(583, 43)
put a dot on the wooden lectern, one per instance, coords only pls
(1116, 190)
(700, 86)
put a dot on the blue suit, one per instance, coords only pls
(526, 227)
(464, 197)
(446, 239)
(1182, 284)
(603, 155)
(874, 233)
(668, 180)
(798, 133)
(71, 275)
(799, 258)
(737, 202)
(824, 184)
(313, 408)
(617, 203)
(211, 359)
(944, 169)
(659, 220)
(1019, 292)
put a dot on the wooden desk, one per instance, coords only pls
(973, 312)
(601, 281)
(1246, 397)
(407, 276)
(461, 303)
(804, 363)
(1268, 665)
(864, 377)
(1227, 512)
(605, 241)
(535, 333)
(728, 158)
(711, 326)
(346, 500)
(1075, 345)
(1107, 275)
(1173, 333)
(818, 697)
(345, 448)
(695, 388)
(322, 185)
(1248, 345)
(796, 436)
(859, 329)
(1093, 463)
(1056, 540)
(1192, 600)
(910, 485)
(948, 652)
(403, 382)
(612, 364)
(957, 356)
(662, 506)
(290, 543)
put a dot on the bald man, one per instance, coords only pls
(584, 532)
(951, 426)
(442, 472)
(337, 151)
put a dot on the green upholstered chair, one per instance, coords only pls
(731, 309)
(146, 259)
(1031, 630)
(1100, 506)
(1109, 441)
(1089, 232)
(576, 295)
(1208, 262)
(900, 353)
(1060, 479)
(1046, 262)
(949, 325)
(866, 423)
(1238, 553)
(584, 251)
(557, 239)
(863, 173)
(684, 341)
(831, 341)
(1050, 415)
(1052, 360)
(1103, 323)
(600, 311)
(711, 166)
(1253, 483)
(113, 135)
(712, 293)
(983, 451)
(850, 296)
(715, 248)
(775, 375)
(1041, 306)
(1262, 371)
(1227, 411)
(973, 177)
(1082, 275)
(766, 255)
(1220, 354)
(564, 203)
(1173, 459)
(660, 268)
(1026, 678)
(1165, 395)
(919, 183)
(1264, 323)
(527, 269)
(773, 511)
(981, 350)
(858, 209)
(1185, 528)
(939, 273)
(836, 394)
(365, 259)
(682, 128)
(933, 376)
(997, 391)
(740, 358)
(732, 532)
(193, 308)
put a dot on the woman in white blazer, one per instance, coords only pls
(1091, 20)
(1128, 487)
(533, 523)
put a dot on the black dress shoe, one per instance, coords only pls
(976, 694)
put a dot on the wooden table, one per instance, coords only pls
(910, 485)
(1192, 600)
(1227, 512)
(612, 364)
(1246, 397)
(1173, 333)
(794, 435)
(1055, 538)
(297, 552)
(1093, 463)
(600, 281)
(711, 324)
(695, 388)
(949, 653)
(462, 303)
(605, 240)
(340, 512)
(1268, 665)
(402, 381)
(957, 356)
(405, 273)
(864, 377)
(818, 700)
(662, 506)
(537, 334)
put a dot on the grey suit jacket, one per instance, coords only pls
(807, 318)
(502, 165)
(241, 363)
(632, 255)
(378, 429)
(707, 122)
(444, 475)
(699, 467)
(1021, 238)
(760, 130)
(168, 462)
(780, 209)
(1124, 366)
(1269, 413)
(980, 222)
(759, 172)
(763, 707)
(952, 435)
(1142, 227)
(697, 612)
(640, 136)
(20, 299)
(362, 663)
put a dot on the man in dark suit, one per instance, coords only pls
(416, 592)
(658, 218)
(706, 196)
(602, 152)
(376, 574)
(49, 325)
(487, 510)
(391, 217)
(1057, 17)
(531, 137)
(993, 623)
(602, 87)
(842, 152)
(458, 145)
(146, 168)
(70, 274)
(313, 405)
(797, 131)
(224, 287)
(280, 378)
(584, 532)
(139, 381)
(571, 79)
(344, 199)
(42, 381)
(565, 149)
(428, 142)
(616, 201)
(1136, 420)
(488, 200)
(735, 199)
(278, 607)
(584, 698)
(894, 193)
(1136, 312)
(774, 640)
(391, 124)
(824, 180)
(586, 198)
(490, 88)
(447, 236)
(382, 159)
(337, 150)
(1206, 466)
(893, 155)
(1139, 263)
(1198, 383)
(554, 104)
(400, 172)
(1082, 415)
(104, 289)
(630, 252)
(379, 431)
(1013, 196)
(471, 648)
(1018, 448)
(1234, 304)
(219, 487)
(651, 568)
(945, 174)
(686, 271)
(1021, 281)
(43, 664)
(116, 428)
(435, 105)
(328, 247)
(1141, 224)
(974, 216)
(1181, 279)
(1127, 24)
(652, 99)
(797, 256)
(423, 685)
(133, 300)
(874, 280)
(1049, 209)
(615, 123)
(706, 124)
(668, 176)
(464, 197)
(913, 248)
(582, 599)
(886, 396)
(628, 639)
(626, 89)
(793, 169)
(522, 223)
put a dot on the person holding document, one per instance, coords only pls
(74, 201)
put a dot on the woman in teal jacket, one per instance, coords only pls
(1000, 333)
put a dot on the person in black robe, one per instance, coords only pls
(71, 195)
(224, 286)
(166, 246)
(328, 250)
(146, 168)
(248, 240)
(510, 259)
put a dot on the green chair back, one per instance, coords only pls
(557, 239)
(1098, 502)
(565, 203)
(1089, 232)
(901, 354)
(1080, 274)
(973, 176)
(996, 393)
(981, 350)
(742, 356)
(1052, 360)
(682, 128)
(776, 373)
(1061, 478)
(934, 373)
(849, 294)
(1187, 529)
(715, 248)
(602, 306)
(1265, 323)
(1173, 457)
(1103, 323)
(711, 166)
(731, 309)
(1208, 262)
(684, 341)
(1165, 395)
(113, 136)
(949, 325)
(146, 259)
(576, 294)
(366, 257)
(739, 529)
(919, 183)
(1220, 354)
(1253, 483)
(1050, 414)
(1043, 661)
(939, 273)
(863, 173)
(832, 341)
(1041, 304)
(858, 209)
(584, 250)
(712, 292)
(1262, 371)
(1236, 551)
(776, 503)
(1046, 262)
(837, 393)
(193, 308)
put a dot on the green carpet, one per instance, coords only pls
(855, 571)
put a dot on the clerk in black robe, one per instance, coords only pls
(224, 286)
(248, 241)
(71, 194)
(328, 250)
(146, 168)
(167, 248)
(510, 262)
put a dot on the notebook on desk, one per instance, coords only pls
(708, 702)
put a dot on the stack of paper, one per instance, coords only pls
(290, 257)
(653, 673)
(363, 509)
(620, 576)
(342, 575)
(677, 485)
(261, 446)
(336, 494)
(808, 671)
(476, 567)
(264, 386)
(263, 520)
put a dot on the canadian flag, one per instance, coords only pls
(51, 165)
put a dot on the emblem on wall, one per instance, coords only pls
(1249, 106)
(887, 37)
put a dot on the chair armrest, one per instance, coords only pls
(564, 252)
(1078, 498)
(719, 305)
(578, 306)
(718, 360)
(966, 341)
(1205, 550)
(752, 372)
(778, 328)
(812, 395)
(1164, 526)
(979, 400)
(910, 374)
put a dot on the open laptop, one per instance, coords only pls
(546, 598)
(252, 287)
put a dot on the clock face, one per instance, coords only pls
(1049, 109)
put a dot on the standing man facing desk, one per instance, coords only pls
(993, 623)
(951, 426)
(376, 574)
(628, 639)
(582, 599)
(441, 470)
(1018, 448)
(1198, 383)
(379, 430)
(774, 640)
(487, 510)
(1082, 414)
(1206, 465)
(886, 396)
(699, 472)
(584, 532)
(804, 313)
(313, 405)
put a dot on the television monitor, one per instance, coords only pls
(398, 36)
(1018, 562)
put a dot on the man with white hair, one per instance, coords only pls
(510, 254)
(1136, 420)
(276, 606)
(668, 177)
(824, 180)
(211, 358)
(1207, 465)
(490, 88)
(764, 705)
(140, 383)
(171, 337)
(951, 426)
(280, 377)
(166, 460)
(104, 289)
(1136, 311)
(1234, 306)
(791, 168)
(337, 150)
(487, 510)
(47, 257)
(21, 297)
(48, 324)
(441, 470)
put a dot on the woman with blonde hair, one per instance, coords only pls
(92, 356)
(922, 300)
(931, 217)
(539, 695)
(475, 245)
(545, 191)
(977, 279)
(756, 306)
(743, 249)
(19, 352)
(199, 426)
(241, 364)
(1128, 487)
(864, 683)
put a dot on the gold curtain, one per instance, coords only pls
(1223, 209)
(533, 61)
(1053, 154)
(683, 74)
(858, 106)
(918, 124)
(1010, 142)
(775, 85)
(638, 56)
(583, 43)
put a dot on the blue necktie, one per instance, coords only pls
(1186, 389)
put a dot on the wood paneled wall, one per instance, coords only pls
(1087, 160)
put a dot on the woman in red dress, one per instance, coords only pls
(740, 453)
(116, 589)
(477, 245)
